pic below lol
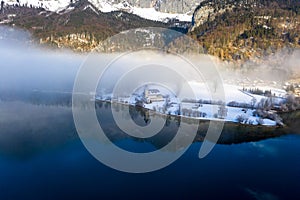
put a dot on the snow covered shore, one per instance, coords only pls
(240, 105)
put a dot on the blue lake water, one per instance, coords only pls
(41, 157)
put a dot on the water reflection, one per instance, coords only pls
(27, 129)
(39, 148)
(37, 121)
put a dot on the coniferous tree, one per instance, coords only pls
(2, 5)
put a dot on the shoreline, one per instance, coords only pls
(233, 132)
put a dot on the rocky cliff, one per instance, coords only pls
(167, 6)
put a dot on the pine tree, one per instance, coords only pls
(2, 5)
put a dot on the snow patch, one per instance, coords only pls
(91, 8)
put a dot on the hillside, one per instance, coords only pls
(79, 27)
(236, 31)
(240, 30)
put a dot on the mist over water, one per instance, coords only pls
(27, 125)
(279, 67)
(24, 67)
(41, 156)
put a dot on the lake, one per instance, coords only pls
(42, 157)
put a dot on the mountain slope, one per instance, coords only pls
(233, 30)
(239, 30)
(80, 26)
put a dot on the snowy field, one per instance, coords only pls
(202, 107)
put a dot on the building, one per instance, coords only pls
(153, 95)
(297, 92)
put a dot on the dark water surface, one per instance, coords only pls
(41, 157)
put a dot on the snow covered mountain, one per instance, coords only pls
(80, 26)
(157, 10)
